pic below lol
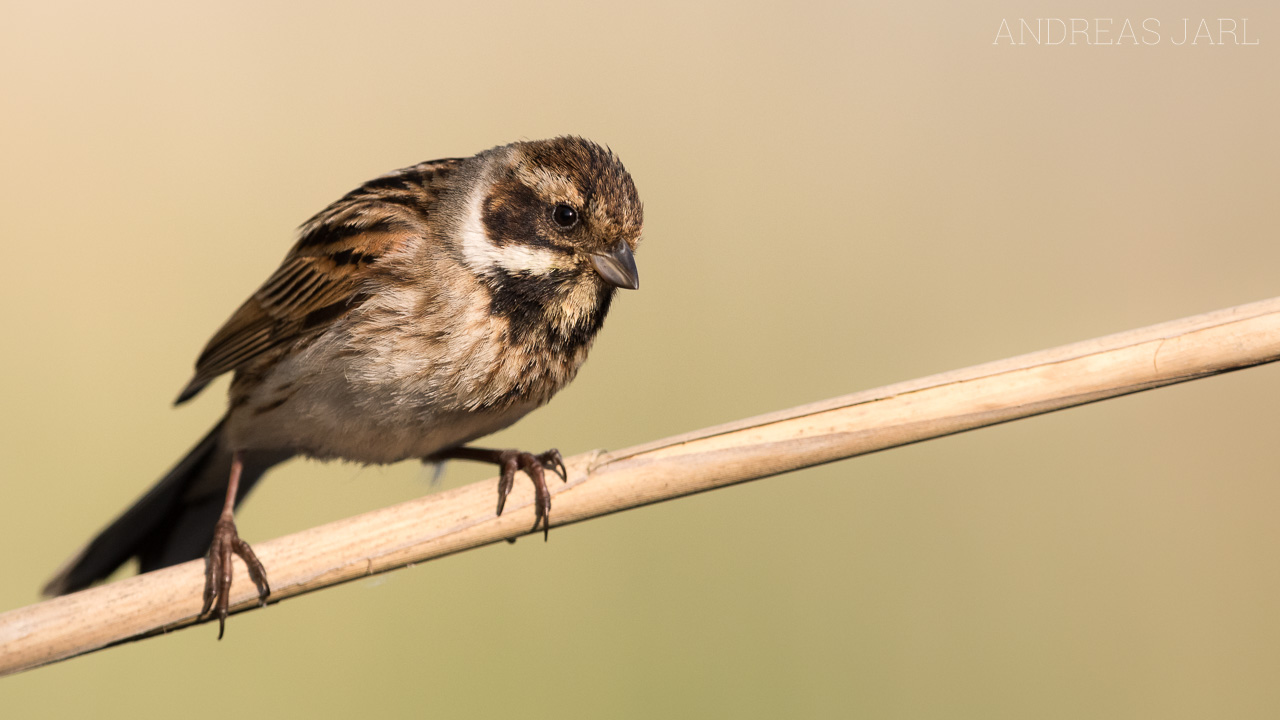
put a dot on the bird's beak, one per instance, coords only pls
(617, 266)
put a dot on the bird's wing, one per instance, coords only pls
(324, 275)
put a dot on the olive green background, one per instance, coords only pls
(837, 197)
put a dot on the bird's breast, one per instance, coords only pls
(399, 380)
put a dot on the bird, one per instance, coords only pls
(423, 310)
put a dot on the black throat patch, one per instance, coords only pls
(531, 303)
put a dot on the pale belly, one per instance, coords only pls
(323, 431)
(360, 412)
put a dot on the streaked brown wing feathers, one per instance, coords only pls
(323, 276)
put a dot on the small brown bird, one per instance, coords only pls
(425, 309)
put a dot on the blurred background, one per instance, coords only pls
(837, 197)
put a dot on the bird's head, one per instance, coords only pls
(563, 210)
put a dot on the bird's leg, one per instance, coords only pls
(226, 542)
(510, 461)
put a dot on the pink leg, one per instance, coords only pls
(226, 542)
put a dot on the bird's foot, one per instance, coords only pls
(217, 573)
(533, 466)
(511, 461)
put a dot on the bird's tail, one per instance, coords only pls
(170, 524)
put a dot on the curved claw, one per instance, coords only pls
(533, 467)
(554, 461)
(509, 461)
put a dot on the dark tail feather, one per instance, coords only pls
(173, 522)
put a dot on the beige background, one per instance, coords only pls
(838, 197)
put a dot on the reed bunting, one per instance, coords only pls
(425, 309)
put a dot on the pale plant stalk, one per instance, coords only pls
(604, 482)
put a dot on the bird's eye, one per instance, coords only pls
(565, 216)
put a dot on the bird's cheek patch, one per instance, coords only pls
(487, 250)
(510, 211)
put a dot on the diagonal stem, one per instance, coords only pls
(603, 483)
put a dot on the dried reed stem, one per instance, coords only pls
(605, 482)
